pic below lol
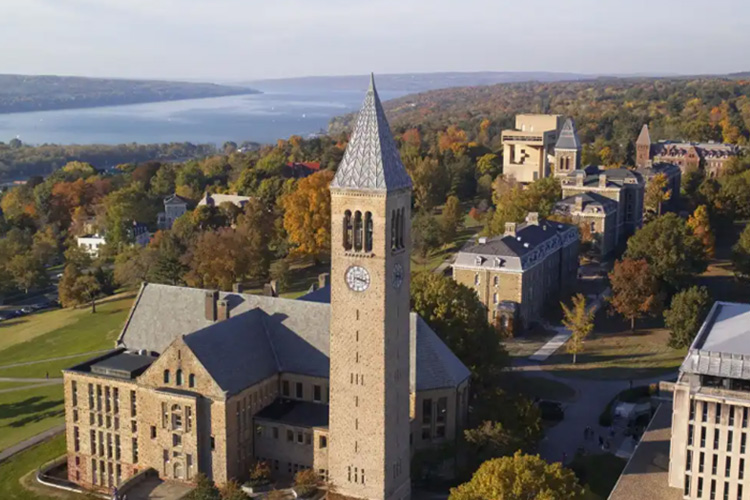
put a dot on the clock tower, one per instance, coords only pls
(368, 455)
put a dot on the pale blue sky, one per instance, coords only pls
(250, 39)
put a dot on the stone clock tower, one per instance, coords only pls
(370, 245)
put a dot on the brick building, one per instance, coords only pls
(207, 381)
(515, 275)
(711, 156)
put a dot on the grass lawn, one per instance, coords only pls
(12, 385)
(15, 473)
(434, 259)
(614, 352)
(598, 473)
(27, 412)
(528, 343)
(543, 388)
(41, 369)
(64, 331)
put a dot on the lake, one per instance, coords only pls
(259, 117)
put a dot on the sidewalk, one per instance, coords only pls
(563, 334)
(42, 436)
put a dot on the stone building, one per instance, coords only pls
(174, 207)
(598, 213)
(625, 187)
(528, 150)
(567, 150)
(211, 382)
(711, 411)
(517, 274)
(215, 200)
(711, 156)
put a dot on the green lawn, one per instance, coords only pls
(11, 385)
(542, 388)
(12, 487)
(598, 473)
(63, 332)
(27, 412)
(434, 259)
(43, 368)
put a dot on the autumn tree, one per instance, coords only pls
(307, 215)
(674, 255)
(741, 254)
(513, 202)
(454, 312)
(685, 315)
(429, 181)
(453, 139)
(519, 477)
(205, 489)
(451, 219)
(425, 233)
(657, 193)
(27, 271)
(280, 272)
(635, 290)
(580, 321)
(86, 289)
(219, 259)
(700, 225)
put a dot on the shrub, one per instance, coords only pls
(260, 474)
(305, 482)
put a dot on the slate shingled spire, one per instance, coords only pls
(568, 137)
(644, 137)
(371, 161)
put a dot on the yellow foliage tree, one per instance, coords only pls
(700, 224)
(307, 215)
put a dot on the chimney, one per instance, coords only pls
(222, 310)
(324, 280)
(580, 177)
(238, 287)
(579, 204)
(210, 304)
(533, 218)
(510, 229)
(269, 289)
(602, 180)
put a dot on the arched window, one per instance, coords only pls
(347, 230)
(495, 280)
(178, 377)
(176, 417)
(166, 376)
(368, 232)
(191, 380)
(393, 230)
(357, 230)
(401, 228)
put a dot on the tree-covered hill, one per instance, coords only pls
(608, 112)
(20, 93)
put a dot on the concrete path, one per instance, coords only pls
(32, 384)
(563, 334)
(28, 443)
(59, 358)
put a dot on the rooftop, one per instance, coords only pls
(589, 199)
(568, 139)
(117, 363)
(297, 413)
(218, 199)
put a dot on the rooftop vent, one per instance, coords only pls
(479, 259)
(482, 240)
(518, 238)
(526, 245)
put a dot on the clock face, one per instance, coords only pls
(357, 278)
(398, 276)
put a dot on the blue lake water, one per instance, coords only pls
(258, 117)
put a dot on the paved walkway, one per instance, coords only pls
(33, 384)
(59, 358)
(19, 447)
(563, 334)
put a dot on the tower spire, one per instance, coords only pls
(371, 161)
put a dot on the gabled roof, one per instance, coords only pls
(263, 336)
(371, 160)
(644, 137)
(589, 198)
(217, 199)
(568, 139)
(175, 199)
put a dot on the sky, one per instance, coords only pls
(240, 40)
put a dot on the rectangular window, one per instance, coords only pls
(742, 469)
(716, 439)
(739, 492)
(715, 464)
(689, 460)
(74, 390)
(176, 440)
(744, 417)
(700, 487)
(701, 458)
(164, 415)
(731, 415)
(442, 410)
(275, 432)
(317, 393)
(93, 471)
(153, 432)
(713, 489)
(717, 415)
(289, 435)
(690, 435)
(188, 418)
(726, 490)
(75, 415)
(322, 442)
(133, 404)
(728, 467)
(704, 414)
(76, 440)
(687, 485)
(300, 438)
(116, 399)
(298, 390)
(135, 450)
(213, 443)
(427, 411)
(730, 436)
(285, 388)
(703, 437)
(117, 447)
(743, 442)
(692, 409)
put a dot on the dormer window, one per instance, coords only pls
(478, 260)
(498, 263)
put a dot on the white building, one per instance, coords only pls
(91, 243)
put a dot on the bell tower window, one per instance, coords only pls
(401, 228)
(347, 226)
(357, 230)
(368, 232)
(393, 230)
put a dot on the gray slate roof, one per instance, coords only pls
(297, 413)
(263, 336)
(568, 139)
(175, 199)
(588, 198)
(371, 160)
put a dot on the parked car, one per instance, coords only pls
(27, 309)
(551, 410)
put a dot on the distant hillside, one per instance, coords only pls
(20, 93)
(414, 82)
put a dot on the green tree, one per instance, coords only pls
(205, 489)
(635, 290)
(66, 287)
(700, 225)
(672, 252)
(134, 265)
(741, 254)
(454, 312)
(280, 273)
(519, 477)
(686, 314)
(219, 259)
(27, 271)
(451, 219)
(86, 289)
(580, 321)
(425, 233)
(233, 491)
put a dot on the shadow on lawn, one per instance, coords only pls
(37, 407)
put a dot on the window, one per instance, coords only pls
(717, 415)
(495, 281)
(368, 232)
(701, 458)
(728, 467)
(322, 442)
(742, 471)
(716, 439)
(700, 487)
(75, 393)
(285, 388)
(692, 409)
(704, 414)
(347, 227)
(442, 410)
(689, 460)
(164, 415)
(317, 396)
(178, 377)
(730, 435)
(75, 415)
(135, 450)
(300, 438)
(117, 447)
(703, 437)
(298, 390)
(476, 279)
(93, 471)
(176, 440)
(494, 298)
(213, 443)
(357, 230)
(713, 489)
(690, 435)
(744, 417)
(176, 417)
(427, 411)
(731, 415)
(289, 436)
(715, 464)
(153, 432)
(166, 376)
(743, 442)
(188, 418)
(191, 380)
(133, 404)
(76, 439)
